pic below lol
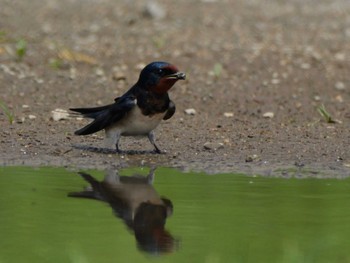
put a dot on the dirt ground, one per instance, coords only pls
(257, 71)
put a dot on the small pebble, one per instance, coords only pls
(190, 111)
(99, 72)
(7, 70)
(340, 85)
(305, 66)
(317, 98)
(213, 146)
(268, 114)
(119, 76)
(21, 120)
(339, 98)
(340, 56)
(228, 114)
(154, 10)
(251, 158)
(298, 105)
(275, 81)
(140, 66)
(31, 117)
(72, 73)
(59, 114)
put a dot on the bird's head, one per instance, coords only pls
(159, 77)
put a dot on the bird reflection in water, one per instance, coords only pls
(136, 202)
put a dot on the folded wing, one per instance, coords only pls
(170, 112)
(106, 115)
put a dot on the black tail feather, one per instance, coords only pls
(98, 124)
(104, 116)
(89, 129)
(100, 116)
(91, 180)
(91, 112)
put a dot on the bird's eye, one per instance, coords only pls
(160, 71)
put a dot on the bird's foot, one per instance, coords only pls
(117, 150)
(159, 151)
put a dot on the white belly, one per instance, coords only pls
(136, 124)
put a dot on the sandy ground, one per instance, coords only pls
(257, 71)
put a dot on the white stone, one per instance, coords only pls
(228, 114)
(268, 114)
(190, 111)
(59, 114)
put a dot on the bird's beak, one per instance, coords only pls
(177, 75)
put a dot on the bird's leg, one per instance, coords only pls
(112, 138)
(151, 138)
(117, 148)
(150, 176)
(112, 177)
(117, 138)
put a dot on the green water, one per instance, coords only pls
(216, 218)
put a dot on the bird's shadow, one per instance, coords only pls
(113, 151)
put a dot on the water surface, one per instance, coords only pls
(216, 218)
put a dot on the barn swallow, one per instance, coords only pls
(139, 111)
